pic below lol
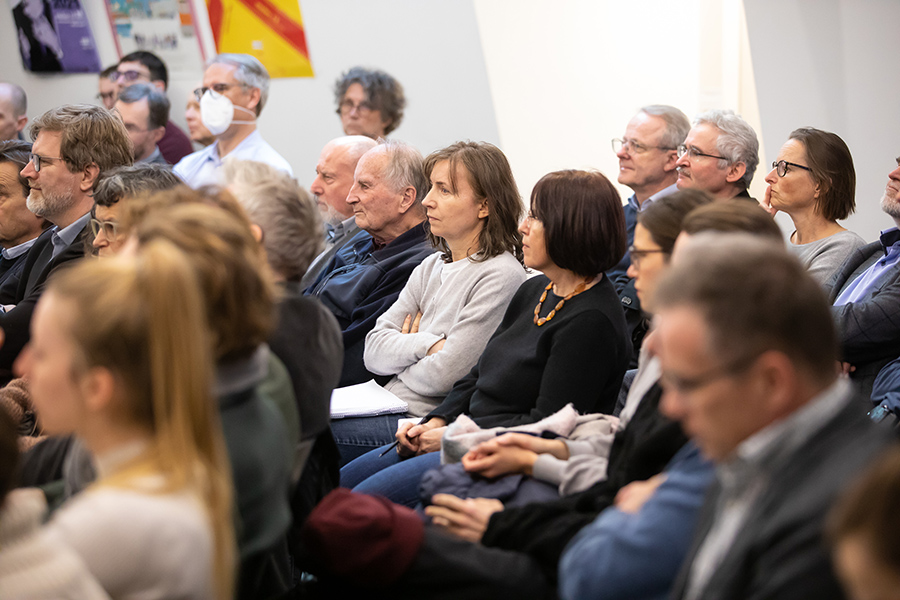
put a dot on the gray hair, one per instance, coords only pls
(677, 124)
(737, 140)
(289, 219)
(355, 145)
(250, 72)
(134, 180)
(156, 101)
(16, 97)
(405, 167)
(383, 92)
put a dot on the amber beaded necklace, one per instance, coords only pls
(537, 309)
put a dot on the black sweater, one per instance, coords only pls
(527, 373)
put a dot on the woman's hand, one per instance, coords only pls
(436, 347)
(420, 439)
(511, 453)
(411, 325)
(766, 203)
(467, 519)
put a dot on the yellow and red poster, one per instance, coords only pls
(270, 30)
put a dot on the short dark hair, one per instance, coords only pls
(492, 181)
(156, 101)
(733, 216)
(9, 454)
(753, 296)
(131, 181)
(663, 217)
(868, 511)
(158, 70)
(584, 224)
(105, 73)
(383, 92)
(17, 152)
(831, 167)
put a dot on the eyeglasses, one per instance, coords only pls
(36, 159)
(781, 167)
(347, 107)
(637, 255)
(127, 76)
(219, 88)
(634, 147)
(530, 218)
(686, 385)
(692, 152)
(109, 228)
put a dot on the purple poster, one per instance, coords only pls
(55, 36)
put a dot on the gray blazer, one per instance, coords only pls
(779, 553)
(868, 330)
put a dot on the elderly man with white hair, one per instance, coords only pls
(234, 92)
(719, 155)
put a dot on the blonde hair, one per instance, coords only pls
(143, 319)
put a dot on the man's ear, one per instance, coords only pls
(20, 122)
(735, 172)
(409, 198)
(671, 159)
(159, 85)
(158, 134)
(89, 176)
(255, 96)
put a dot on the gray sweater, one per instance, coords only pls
(462, 302)
(823, 257)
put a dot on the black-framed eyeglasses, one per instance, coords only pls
(634, 147)
(692, 152)
(638, 254)
(781, 167)
(346, 107)
(219, 88)
(686, 385)
(109, 228)
(36, 159)
(129, 76)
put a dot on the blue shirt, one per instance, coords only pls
(859, 287)
(63, 238)
(17, 251)
(203, 167)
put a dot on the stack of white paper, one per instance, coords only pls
(365, 400)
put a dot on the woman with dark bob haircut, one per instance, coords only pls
(814, 182)
(562, 340)
(438, 327)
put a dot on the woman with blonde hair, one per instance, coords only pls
(120, 355)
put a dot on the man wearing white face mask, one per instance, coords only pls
(235, 89)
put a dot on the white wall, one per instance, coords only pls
(831, 64)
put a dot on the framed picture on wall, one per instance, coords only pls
(54, 36)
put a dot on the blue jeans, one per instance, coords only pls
(358, 435)
(395, 478)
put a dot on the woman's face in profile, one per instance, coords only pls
(534, 245)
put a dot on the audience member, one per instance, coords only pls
(33, 564)
(110, 367)
(142, 66)
(334, 178)
(569, 348)
(865, 292)
(369, 102)
(719, 155)
(730, 216)
(145, 112)
(197, 130)
(13, 111)
(74, 146)
(107, 90)
(239, 296)
(754, 385)
(235, 90)
(123, 184)
(863, 529)
(366, 276)
(19, 227)
(814, 182)
(647, 156)
(438, 327)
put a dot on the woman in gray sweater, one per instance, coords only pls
(455, 299)
(814, 182)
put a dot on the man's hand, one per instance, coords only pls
(632, 497)
(467, 519)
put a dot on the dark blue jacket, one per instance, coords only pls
(360, 283)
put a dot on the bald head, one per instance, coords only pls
(13, 106)
(334, 175)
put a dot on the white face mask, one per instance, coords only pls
(217, 112)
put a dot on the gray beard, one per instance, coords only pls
(890, 206)
(49, 205)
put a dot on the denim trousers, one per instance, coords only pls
(356, 436)
(395, 478)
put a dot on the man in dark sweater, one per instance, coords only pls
(365, 278)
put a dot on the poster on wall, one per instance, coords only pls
(54, 36)
(270, 30)
(167, 28)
